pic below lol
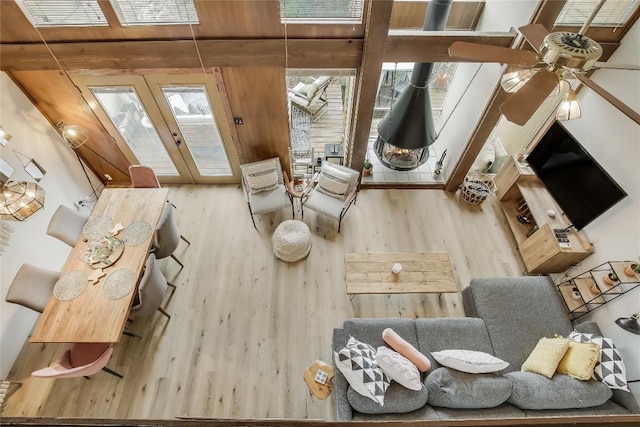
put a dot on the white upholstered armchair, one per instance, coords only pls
(336, 190)
(265, 187)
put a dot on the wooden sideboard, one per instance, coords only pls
(546, 243)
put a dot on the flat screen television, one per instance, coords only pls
(575, 180)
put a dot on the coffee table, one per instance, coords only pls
(422, 272)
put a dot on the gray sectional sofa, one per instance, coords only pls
(506, 318)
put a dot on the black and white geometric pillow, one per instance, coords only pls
(610, 370)
(357, 362)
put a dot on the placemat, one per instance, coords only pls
(119, 284)
(136, 233)
(71, 285)
(97, 227)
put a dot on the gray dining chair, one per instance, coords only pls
(151, 290)
(66, 224)
(32, 287)
(168, 235)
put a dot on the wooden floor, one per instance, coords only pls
(245, 325)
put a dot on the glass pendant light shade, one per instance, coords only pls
(511, 82)
(19, 200)
(569, 108)
(73, 134)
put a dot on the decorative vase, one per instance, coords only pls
(595, 289)
(367, 171)
(397, 268)
(630, 270)
(610, 279)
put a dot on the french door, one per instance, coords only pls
(175, 124)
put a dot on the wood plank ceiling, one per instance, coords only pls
(244, 38)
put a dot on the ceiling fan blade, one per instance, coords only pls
(616, 66)
(534, 34)
(521, 105)
(610, 98)
(487, 53)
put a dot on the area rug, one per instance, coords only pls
(300, 129)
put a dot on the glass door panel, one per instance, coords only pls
(129, 112)
(193, 114)
(194, 111)
(128, 115)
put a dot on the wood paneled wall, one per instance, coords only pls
(410, 14)
(59, 100)
(259, 96)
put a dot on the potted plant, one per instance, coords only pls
(632, 269)
(367, 169)
(610, 279)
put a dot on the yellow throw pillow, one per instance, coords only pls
(579, 360)
(546, 356)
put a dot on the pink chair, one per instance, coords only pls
(143, 177)
(81, 360)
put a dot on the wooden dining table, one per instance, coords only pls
(92, 317)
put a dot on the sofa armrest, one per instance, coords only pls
(468, 303)
(589, 327)
(344, 412)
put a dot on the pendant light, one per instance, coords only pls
(19, 200)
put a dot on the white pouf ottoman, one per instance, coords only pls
(291, 241)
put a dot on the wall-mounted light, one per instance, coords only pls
(75, 135)
(630, 324)
(19, 200)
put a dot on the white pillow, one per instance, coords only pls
(398, 368)
(357, 362)
(261, 177)
(333, 182)
(472, 362)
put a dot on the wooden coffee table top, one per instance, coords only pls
(422, 272)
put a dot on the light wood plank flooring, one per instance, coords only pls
(245, 325)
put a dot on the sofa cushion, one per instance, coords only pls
(517, 312)
(534, 391)
(610, 367)
(369, 330)
(397, 400)
(398, 368)
(470, 361)
(437, 334)
(454, 389)
(579, 360)
(607, 408)
(546, 356)
(357, 362)
(503, 411)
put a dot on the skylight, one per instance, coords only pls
(155, 12)
(63, 13)
(321, 11)
(613, 12)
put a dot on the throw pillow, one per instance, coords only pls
(357, 362)
(333, 182)
(398, 368)
(532, 391)
(610, 368)
(546, 356)
(579, 360)
(397, 343)
(449, 388)
(470, 361)
(261, 177)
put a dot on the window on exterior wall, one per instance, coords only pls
(613, 12)
(155, 12)
(63, 13)
(321, 11)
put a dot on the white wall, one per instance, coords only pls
(459, 119)
(64, 183)
(614, 140)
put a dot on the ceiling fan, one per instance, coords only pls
(558, 56)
